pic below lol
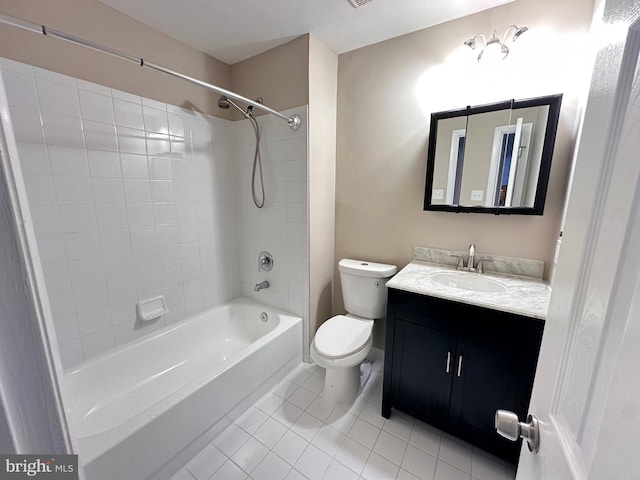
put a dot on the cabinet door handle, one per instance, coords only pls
(459, 365)
(448, 361)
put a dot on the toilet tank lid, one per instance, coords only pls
(366, 269)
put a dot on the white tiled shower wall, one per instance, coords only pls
(281, 226)
(131, 198)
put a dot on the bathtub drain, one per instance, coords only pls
(264, 317)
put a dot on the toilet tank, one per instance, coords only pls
(363, 287)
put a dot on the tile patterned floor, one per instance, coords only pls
(293, 434)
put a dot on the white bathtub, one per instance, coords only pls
(136, 408)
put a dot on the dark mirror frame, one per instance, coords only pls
(553, 101)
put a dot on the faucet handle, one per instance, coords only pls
(460, 262)
(482, 261)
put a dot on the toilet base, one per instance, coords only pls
(341, 385)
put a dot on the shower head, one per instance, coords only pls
(225, 103)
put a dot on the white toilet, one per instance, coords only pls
(344, 341)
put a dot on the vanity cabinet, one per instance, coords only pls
(453, 365)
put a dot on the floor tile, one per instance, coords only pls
(371, 413)
(451, 437)
(287, 414)
(337, 471)
(404, 475)
(328, 439)
(314, 384)
(444, 471)
(419, 462)
(270, 433)
(249, 455)
(390, 447)
(251, 420)
(206, 463)
(290, 447)
(364, 432)
(295, 475)
(399, 425)
(285, 388)
(425, 439)
(298, 376)
(455, 454)
(341, 420)
(317, 370)
(353, 454)
(320, 408)
(313, 463)
(356, 407)
(271, 467)
(307, 426)
(306, 438)
(269, 403)
(229, 471)
(485, 467)
(182, 475)
(376, 396)
(231, 439)
(379, 468)
(302, 397)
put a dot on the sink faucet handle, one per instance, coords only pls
(460, 261)
(481, 262)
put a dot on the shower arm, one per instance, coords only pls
(294, 121)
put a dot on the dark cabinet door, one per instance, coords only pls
(421, 384)
(488, 376)
(494, 352)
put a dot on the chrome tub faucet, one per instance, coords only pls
(261, 285)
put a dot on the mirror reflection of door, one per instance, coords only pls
(509, 166)
(456, 160)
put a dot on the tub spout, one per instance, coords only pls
(261, 285)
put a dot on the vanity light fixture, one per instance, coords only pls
(494, 40)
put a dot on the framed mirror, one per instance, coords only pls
(492, 158)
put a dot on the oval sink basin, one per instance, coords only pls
(469, 281)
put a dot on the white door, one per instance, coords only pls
(587, 388)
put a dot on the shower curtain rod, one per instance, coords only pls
(294, 121)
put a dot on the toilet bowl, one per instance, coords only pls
(340, 345)
(343, 342)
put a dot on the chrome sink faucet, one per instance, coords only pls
(479, 267)
(472, 253)
(469, 267)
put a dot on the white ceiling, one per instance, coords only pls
(233, 30)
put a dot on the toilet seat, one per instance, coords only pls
(342, 336)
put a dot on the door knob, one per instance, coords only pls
(508, 425)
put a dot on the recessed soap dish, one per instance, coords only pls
(151, 308)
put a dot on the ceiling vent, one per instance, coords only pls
(358, 3)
